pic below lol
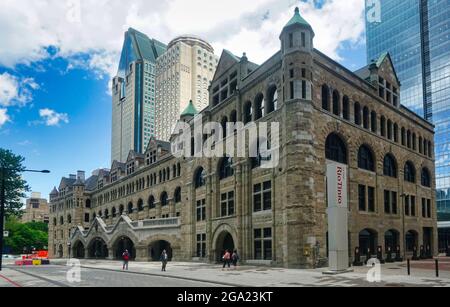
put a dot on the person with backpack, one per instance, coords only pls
(126, 259)
(226, 259)
(235, 258)
(164, 259)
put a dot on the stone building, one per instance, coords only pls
(198, 207)
(36, 209)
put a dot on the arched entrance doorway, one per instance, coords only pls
(155, 250)
(368, 241)
(411, 240)
(78, 250)
(225, 242)
(392, 240)
(98, 249)
(123, 244)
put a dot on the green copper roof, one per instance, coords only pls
(297, 19)
(190, 110)
(381, 59)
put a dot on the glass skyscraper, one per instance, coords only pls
(417, 35)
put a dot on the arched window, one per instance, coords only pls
(426, 178)
(223, 123)
(336, 103)
(88, 203)
(140, 205)
(346, 108)
(69, 219)
(61, 220)
(325, 97)
(414, 141)
(383, 126)
(121, 209)
(403, 137)
(178, 169)
(164, 199)
(272, 103)
(248, 112)
(114, 212)
(430, 149)
(408, 139)
(420, 145)
(366, 118)
(395, 133)
(233, 117)
(130, 208)
(357, 111)
(54, 221)
(390, 166)
(259, 106)
(365, 158)
(373, 122)
(335, 149)
(200, 178)
(177, 195)
(106, 214)
(410, 172)
(390, 130)
(151, 202)
(226, 168)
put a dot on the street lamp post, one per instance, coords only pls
(3, 171)
(403, 196)
(70, 249)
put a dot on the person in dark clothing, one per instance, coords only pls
(164, 259)
(126, 259)
(235, 258)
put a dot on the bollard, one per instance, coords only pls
(389, 258)
(357, 261)
(409, 267)
(380, 255)
(437, 268)
(398, 257)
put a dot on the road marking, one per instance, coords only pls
(54, 282)
(10, 281)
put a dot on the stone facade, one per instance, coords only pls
(198, 207)
(36, 209)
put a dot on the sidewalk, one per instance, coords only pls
(393, 275)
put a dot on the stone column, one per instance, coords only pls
(142, 253)
(158, 210)
(111, 255)
(172, 207)
(86, 253)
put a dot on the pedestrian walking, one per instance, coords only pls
(235, 258)
(126, 259)
(226, 259)
(164, 259)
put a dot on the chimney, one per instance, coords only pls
(81, 175)
(71, 176)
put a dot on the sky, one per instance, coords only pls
(57, 58)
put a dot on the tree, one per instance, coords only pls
(25, 236)
(15, 185)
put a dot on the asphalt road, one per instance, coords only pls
(56, 276)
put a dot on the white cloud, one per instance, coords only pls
(96, 27)
(52, 118)
(4, 118)
(15, 91)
